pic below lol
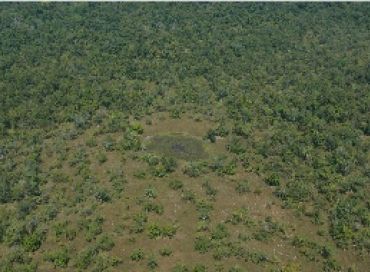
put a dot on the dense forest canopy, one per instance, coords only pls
(282, 87)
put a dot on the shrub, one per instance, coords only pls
(220, 232)
(203, 209)
(210, 191)
(92, 227)
(117, 178)
(161, 167)
(153, 207)
(222, 130)
(60, 258)
(101, 157)
(79, 158)
(194, 169)
(17, 260)
(59, 177)
(151, 159)
(175, 184)
(242, 130)
(152, 262)
(235, 146)
(180, 268)
(169, 164)
(202, 225)
(102, 195)
(242, 187)
(105, 243)
(151, 192)
(137, 255)
(82, 121)
(222, 166)
(108, 143)
(202, 244)
(5, 190)
(33, 241)
(156, 231)
(103, 262)
(91, 142)
(169, 231)
(222, 251)
(273, 180)
(140, 221)
(137, 128)
(175, 113)
(85, 257)
(130, 141)
(165, 251)
(240, 216)
(159, 171)
(63, 229)
(199, 268)
(235, 269)
(211, 135)
(188, 195)
(25, 206)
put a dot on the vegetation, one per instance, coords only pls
(184, 137)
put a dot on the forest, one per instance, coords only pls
(184, 137)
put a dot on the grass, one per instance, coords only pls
(177, 146)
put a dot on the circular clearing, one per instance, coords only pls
(177, 146)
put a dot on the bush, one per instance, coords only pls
(165, 251)
(92, 227)
(188, 195)
(199, 268)
(210, 191)
(175, 184)
(222, 166)
(194, 169)
(169, 164)
(91, 142)
(203, 209)
(130, 141)
(101, 157)
(108, 143)
(64, 230)
(273, 180)
(153, 207)
(60, 258)
(242, 187)
(5, 190)
(180, 268)
(137, 128)
(156, 231)
(235, 269)
(33, 241)
(151, 192)
(161, 167)
(240, 216)
(220, 232)
(235, 146)
(85, 257)
(140, 221)
(105, 243)
(202, 244)
(152, 262)
(102, 195)
(211, 135)
(137, 255)
(104, 262)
